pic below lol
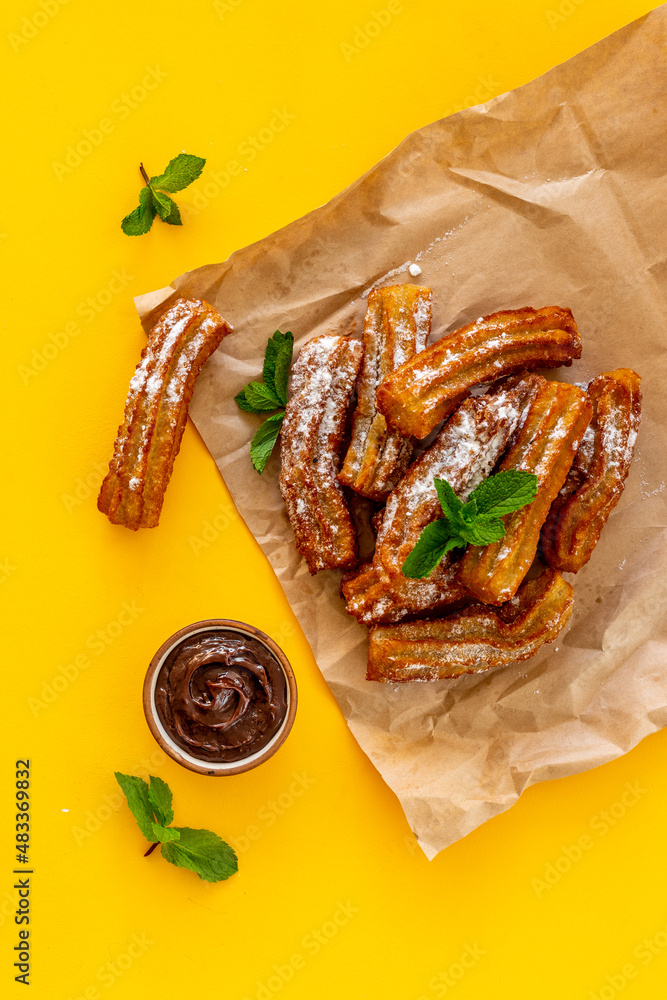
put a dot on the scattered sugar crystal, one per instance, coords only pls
(414, 270)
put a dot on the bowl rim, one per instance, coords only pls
(163, 738)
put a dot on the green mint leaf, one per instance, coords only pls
(179, 173)
(484, 532)
(477, 522)
(162, 203)
(469, 512)
(202, 852)
(261, 397)
(165, 835)
(140, 220)
(262, 444)
(166, 208)
(159, 797)
(243, 403)
(136, 793)
(434, 542)
(258, 397)
(174, 217)
(278, 343)
(283, 365)
(504, 493)
(449, 501)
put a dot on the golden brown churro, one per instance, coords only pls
(397, 325)
(595, 482)
(156, 412)
(323, 379)
(464, 453)
(473, 639)
(376, 597)
(545, 444)
(424, 390)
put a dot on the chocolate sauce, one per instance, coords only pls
(221, 695)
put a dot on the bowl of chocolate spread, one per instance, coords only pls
(220, 696)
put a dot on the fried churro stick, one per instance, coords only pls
(545, 444)
(323, 379)
(464, 453)
(423, 391)
(156, 412)
(473, 639)
(376, 597)
(397, 325)
(595, 482)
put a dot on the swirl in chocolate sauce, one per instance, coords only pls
(221, 695)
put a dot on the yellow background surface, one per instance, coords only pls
(564, 895)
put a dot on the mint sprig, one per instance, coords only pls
(264, 441)
(153, 199)
(202, 851)
(268, 396)
(477, 522)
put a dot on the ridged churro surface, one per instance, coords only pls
(156, 411)
(396, 327)
(545, 444)
(464, 453)
(474, 639)
(323, 379)
(596, 480)
(424, 390)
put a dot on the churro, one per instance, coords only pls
(323, 379)
(397, 325)
(596, 480)
(156, 412)
(473, 639)
(424, 390)
(545, 445)
(464, 453)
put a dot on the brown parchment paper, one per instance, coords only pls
(551, 194)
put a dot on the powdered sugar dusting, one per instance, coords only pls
(397, 324)
(464, 453)
(323, 379)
